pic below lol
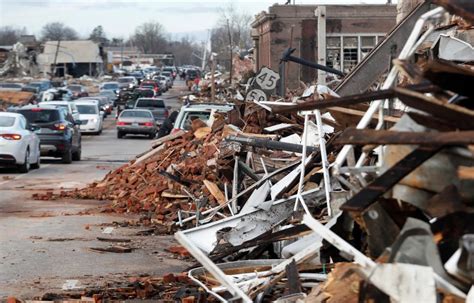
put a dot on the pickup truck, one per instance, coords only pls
(156, 106)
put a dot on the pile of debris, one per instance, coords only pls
(15, 98)
(280, 196)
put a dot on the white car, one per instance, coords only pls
(90, 117)
(68, 105)
(19, 145)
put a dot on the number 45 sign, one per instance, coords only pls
(267, 79)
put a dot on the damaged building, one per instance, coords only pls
(351, 32)
(75, 58)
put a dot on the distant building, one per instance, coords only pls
(351, 32)
(128, 56)
(76, 58)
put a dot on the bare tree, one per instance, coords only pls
(10, 35)
(232, 32)
(150, 38)
(183, 50)
(98, 35)
(58, 31)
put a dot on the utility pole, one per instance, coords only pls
(213, 82)
(55, 59)
(231, 47)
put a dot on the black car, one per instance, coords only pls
(59, 134)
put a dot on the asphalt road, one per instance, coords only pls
(43, 244)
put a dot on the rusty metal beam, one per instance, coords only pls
(372, 192)
(388, 137)
(352, 99)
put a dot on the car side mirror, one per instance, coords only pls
(102, 113)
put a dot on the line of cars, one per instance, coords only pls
(51, 128)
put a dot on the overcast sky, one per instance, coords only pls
(120, 17)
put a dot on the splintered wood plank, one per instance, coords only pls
(451, 112)
(215, 191)
(388, 137)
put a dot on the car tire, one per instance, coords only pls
(120, 135)
(152, 136)
(67, 157)
(99, 132)
(25, 167)
(76, 156)
(37, 165)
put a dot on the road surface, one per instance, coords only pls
(43, 244)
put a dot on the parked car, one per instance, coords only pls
(127, 82)
(208, 75)
(59, 134)
(156, 106)
(19, 145)
(57, 94)
(200, 111)
(172, 70)
(77, 90)
(91, 119)
(114, 86)
(68, 105)
(144, 93)
(163, 83)
(112, 95)
(169, 78)
(11, 86)
(137, 75)
(150, 84)
(136, 121)
(42, 85)
(105, 104)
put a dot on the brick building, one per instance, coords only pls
(351, 32)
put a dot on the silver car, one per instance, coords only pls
(136, 121)
(19, 145)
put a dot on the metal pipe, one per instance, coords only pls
(270, 144)
(288, 57)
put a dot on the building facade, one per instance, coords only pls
(351, 32)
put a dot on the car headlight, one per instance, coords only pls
(94, 120)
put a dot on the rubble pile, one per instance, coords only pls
(366, 197)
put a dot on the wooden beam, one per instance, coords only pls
(350, 100)
(389, 137)
(451, 112)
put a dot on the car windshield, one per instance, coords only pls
(40, 115)
(7, 121)
(10, 85)
(110, 86)
(150, 103)
(74, 88)
(191, 116)
(87, 109)
(135, 114)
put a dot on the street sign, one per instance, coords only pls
(256, 95)
(267, 79)
(263, 85)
